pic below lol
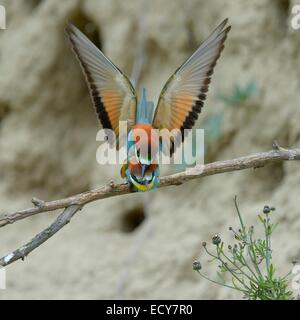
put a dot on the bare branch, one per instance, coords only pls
(74, 203)
(111, 190)
(63, 219)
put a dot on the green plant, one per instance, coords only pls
(249, 262)
(236, 98)
(239, 94)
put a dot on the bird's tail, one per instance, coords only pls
(145, 110)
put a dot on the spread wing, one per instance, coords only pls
(113, 95)
(182, 97)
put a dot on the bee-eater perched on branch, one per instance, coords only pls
(178, 107)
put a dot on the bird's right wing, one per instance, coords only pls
(112, 93)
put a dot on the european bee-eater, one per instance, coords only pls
(178, 107)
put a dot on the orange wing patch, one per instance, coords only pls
(181, 106)
(112, 101)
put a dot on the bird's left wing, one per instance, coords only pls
(183, 95)
(113, 95)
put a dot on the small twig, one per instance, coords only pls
(112, 184)
(37, 202)
(63, 219)
(276, 146)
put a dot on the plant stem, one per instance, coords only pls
(221, 284)
(253, 257)
(268, 244)
(240, 269)
(240, 216)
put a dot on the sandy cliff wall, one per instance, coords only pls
(47, 144)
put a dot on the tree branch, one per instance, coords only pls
(63, 219)
(74, 203)
(111, 190)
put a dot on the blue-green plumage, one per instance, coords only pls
(143, 175)
(145, 109)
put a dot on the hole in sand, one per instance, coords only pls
(132, 218)
(4, 110)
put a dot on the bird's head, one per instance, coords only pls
(145, 146)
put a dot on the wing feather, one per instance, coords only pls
(183, 96)
(113, 96)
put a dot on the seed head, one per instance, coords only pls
(216, 240)
(197, 265)
(266, 210)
